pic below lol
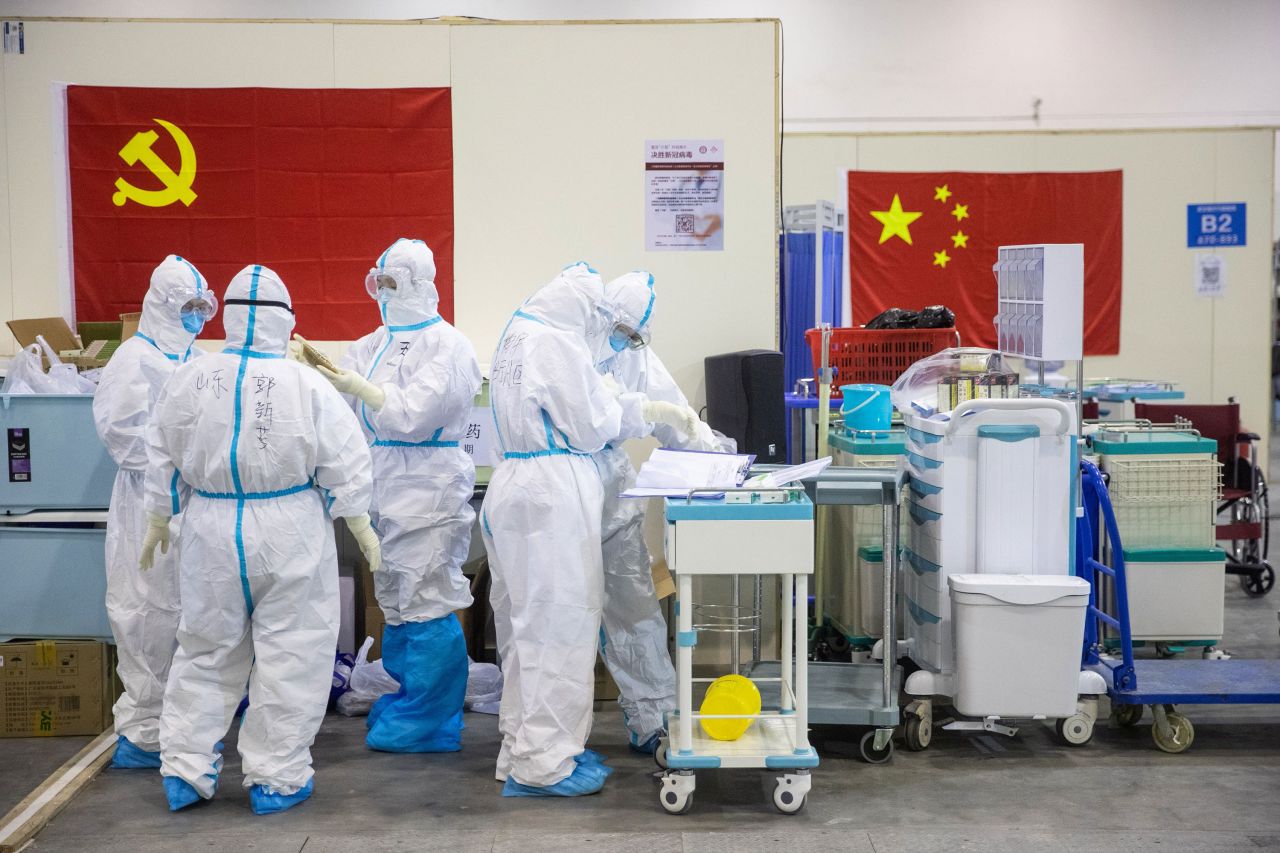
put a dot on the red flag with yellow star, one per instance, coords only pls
(930, 238)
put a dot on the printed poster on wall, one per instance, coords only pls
(684, 195)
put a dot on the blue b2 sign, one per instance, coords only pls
(1216, 224)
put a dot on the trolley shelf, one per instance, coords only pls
(1196, 682)
(769, 743)
(845, 694)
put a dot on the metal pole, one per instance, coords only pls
(802, 661)
(787, 601)
(757, 610)
(889, 642)
(684, 661)
(737, 622)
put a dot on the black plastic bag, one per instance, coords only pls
(936, 317)
(894, 318)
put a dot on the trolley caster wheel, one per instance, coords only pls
(1164, 652)
(660, 754)
(918, 733)
(1181, 734)
(871, 755)
(1076, 730)
(1127, 716)
(676, 794)
(1259, 584)
(791, 793)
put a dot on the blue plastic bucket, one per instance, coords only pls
(866, 408)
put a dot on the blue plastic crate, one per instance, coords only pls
(68, 465)
(54, 583)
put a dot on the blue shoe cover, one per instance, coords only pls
(585, 779)
(649, 747)
(394, 639)
(426, 714)
(590, 756)
(180, 793)
(131, 757)
(264, 802)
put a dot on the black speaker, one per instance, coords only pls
(745, 401)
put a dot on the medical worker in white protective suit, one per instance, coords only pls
(541, 520)
(634, 635)
(413, 382)
(271, 453)
(143, 607)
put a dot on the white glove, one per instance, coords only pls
(157, 534)
(362, 529)
(677, 417)
(350, 382)
(614, 386)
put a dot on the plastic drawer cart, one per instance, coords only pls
(53, 499)
(743, 532)
(1160, 685)
(991, 494)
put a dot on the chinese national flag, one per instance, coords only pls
(314, 183)
(930, 238)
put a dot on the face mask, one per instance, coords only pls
(192, 321)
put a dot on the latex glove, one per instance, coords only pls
(295, 352)
(614, 386)
(157, 534)
(350, 382)
(367, 538)
(678, 417)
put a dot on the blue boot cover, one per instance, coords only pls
(264, 802)
(131, 757)
(590, 756)
(426, 715)
(585, 779)
(180, 793)
(649, 747)
(393, 643)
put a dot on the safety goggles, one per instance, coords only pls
(206, 305)
(386, 279)
(624, 336)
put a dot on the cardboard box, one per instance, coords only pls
(374, 622)
(54, 330)
(129, 324)
(606, 689)
(50, 688)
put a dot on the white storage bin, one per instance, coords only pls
(1175, 593)
(1018, 641)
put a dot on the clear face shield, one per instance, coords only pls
(382, 283)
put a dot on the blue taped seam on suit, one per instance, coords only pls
(235, 441)
(256, 496)
(167, 355)
(173, 493)
(390, 442)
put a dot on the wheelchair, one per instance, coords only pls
(1242, 512)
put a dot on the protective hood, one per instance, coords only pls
(174, 283)
(266, 322)
(574, 301)
(418, 302)
(628, 301)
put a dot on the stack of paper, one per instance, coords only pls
(673, 473)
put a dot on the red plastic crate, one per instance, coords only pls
(876, 355)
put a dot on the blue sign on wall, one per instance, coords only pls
(1216, 224)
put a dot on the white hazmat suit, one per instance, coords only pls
(425, 377)
(272, 452)
(541, 521)
(634, 636)
(143, 607)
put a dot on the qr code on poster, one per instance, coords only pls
(684, 223)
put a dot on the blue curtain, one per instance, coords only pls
(798, 296)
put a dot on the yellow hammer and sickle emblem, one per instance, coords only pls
(177, 187)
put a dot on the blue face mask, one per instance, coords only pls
(192, 321)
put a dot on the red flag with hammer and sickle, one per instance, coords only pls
(314, 183)
(930, 238)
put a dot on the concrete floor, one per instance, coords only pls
(984, 793)
(965, 793)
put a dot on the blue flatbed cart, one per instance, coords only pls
(1159, 684)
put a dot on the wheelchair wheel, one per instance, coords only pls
(1259, 583)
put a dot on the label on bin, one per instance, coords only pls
(19, 455)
